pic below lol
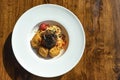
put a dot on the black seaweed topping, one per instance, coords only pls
(48, 39)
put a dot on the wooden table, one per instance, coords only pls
(101, 22)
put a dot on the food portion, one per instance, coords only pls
(48, 41)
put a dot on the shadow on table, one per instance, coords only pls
(14, 69)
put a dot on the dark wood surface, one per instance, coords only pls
(101, 22)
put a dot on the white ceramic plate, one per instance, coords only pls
(22, 35)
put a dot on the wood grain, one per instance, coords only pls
(101, 22)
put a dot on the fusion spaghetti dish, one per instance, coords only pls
(48, 41)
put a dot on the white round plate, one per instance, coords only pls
(22, 34)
